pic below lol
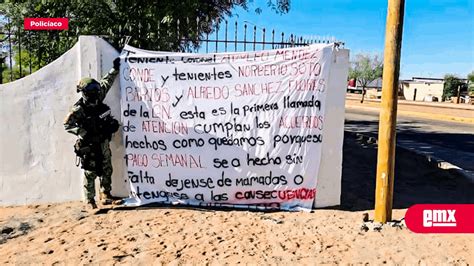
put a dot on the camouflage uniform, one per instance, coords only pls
(78, 122)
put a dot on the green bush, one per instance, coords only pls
(451, 84)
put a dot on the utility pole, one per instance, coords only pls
(388, 112)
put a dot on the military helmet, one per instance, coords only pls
(87, 83)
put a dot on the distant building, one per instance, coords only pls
(423, 89)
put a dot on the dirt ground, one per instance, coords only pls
(67, 234)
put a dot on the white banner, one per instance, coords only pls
(227, 129)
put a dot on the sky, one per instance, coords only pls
(438, 35)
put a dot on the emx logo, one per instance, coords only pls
(440, 218)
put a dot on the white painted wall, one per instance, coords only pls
(423, 89)
(328, 189)
(37, 162)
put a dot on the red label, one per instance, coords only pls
(440, 218)
(46, 23)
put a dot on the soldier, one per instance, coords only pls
(91, 121)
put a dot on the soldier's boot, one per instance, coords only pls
(91, 204)
(106, 198)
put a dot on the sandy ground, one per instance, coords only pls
(67, 234)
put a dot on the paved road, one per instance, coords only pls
(450, 141)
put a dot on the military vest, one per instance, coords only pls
(97, 121)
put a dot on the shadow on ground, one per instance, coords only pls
(416, 181)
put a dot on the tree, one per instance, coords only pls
(451, 84)
(15, 70)
(168, 25)
(365, 69)
(470, 80)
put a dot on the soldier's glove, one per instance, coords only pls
(82, 134)
(117, 63)
(81, 149)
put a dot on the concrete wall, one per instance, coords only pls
(330, 172)
(37, 162)
(422, 90)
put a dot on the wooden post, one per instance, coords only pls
(388, 112)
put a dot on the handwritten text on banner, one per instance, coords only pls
(227, 129)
